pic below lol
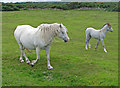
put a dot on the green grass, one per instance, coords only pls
(73, 65)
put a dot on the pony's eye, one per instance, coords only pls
(62, 32)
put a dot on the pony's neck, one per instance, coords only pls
(104, 29)
(48, 35)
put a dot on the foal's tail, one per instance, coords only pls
(86, 29)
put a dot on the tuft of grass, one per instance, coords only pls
(73, 65)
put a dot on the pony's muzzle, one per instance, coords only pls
(66, 40)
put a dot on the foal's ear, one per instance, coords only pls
(108, 24)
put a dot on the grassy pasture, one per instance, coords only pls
(73, 65)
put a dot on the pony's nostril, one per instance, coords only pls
(65, 40)
(68, 39)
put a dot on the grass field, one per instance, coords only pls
(73, 65)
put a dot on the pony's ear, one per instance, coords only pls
(60, 25)
(108, 24)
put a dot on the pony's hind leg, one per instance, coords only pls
(23, 53)
(87, 40)
(27, 60)
(21, 56)
(97, 44)
(89, 43)
(86, 44)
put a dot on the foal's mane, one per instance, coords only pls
(106, 24)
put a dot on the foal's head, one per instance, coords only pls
(109, 28)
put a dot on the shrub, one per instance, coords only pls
(109, 6)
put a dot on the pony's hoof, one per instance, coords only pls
(50, 67)
(22, 61)
(105, 51)
(28, 62)
(34, 61)
(32, 64)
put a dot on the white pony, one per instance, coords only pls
(38, 39)
(98, 34)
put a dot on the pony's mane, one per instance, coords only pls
(48, 31)
(48, 27)
(51, 27)
(106, 24)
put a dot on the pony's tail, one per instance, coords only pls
(86, 29)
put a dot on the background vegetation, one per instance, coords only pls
(73, 65)
(109, 6)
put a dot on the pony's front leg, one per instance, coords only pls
(38, 56)
(102, 40)
(97, 44)
(48, 57)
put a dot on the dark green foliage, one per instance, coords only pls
(10, 7)
(109, 6)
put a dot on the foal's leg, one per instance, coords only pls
(38, 56)
(86, 44)
(87, 40)
(89, 43)
(102, 40)
(48, 57)
(97, 44)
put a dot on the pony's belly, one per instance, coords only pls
(33, 47)
(96, 37)
(29, 46)
(43, 48)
